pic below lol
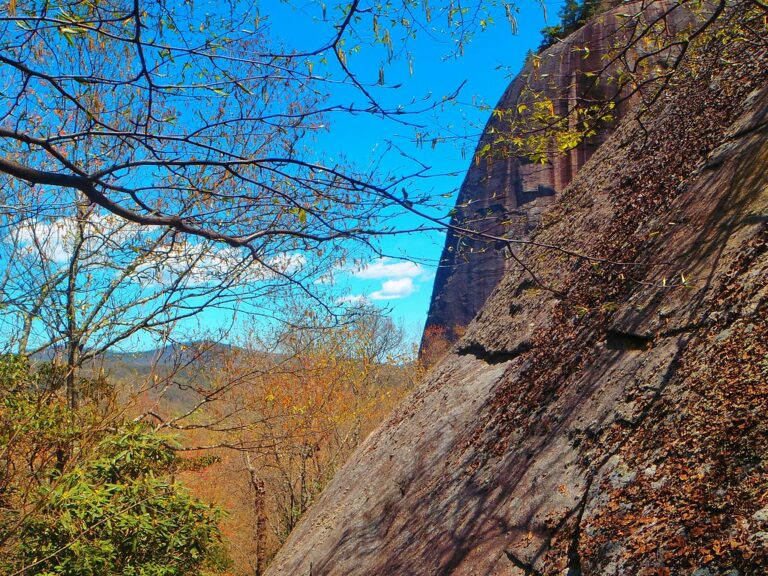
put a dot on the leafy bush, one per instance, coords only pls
(110, 506)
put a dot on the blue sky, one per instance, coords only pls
(404, 286)
(401, 281)
(425, 69)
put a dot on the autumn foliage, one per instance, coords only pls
(202, 465)
(284, 421)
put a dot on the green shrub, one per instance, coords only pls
(112, 507)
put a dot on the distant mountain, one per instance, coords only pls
(176, 354)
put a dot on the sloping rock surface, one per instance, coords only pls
(602, 415)
(505, 196)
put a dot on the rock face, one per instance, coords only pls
(604, 414)
(505, 196)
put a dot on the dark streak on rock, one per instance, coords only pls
(619, 340)
(493, 356)
(529, 569)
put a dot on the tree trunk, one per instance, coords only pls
(259, 509)
(74, 344)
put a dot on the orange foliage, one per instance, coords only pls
(436, 343)
(293, 416)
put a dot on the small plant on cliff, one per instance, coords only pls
(653, 50)
(537, 131)
(573, 15)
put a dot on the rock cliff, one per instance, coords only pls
(605, 413)
(505, 196)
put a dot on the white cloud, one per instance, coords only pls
(353, 299)
(428, 275)
(109, 240)
(194, 265)
(53, 240)
(388, 268)
(288, 263)
(328, 278)
(202, 264)
(394, 289)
